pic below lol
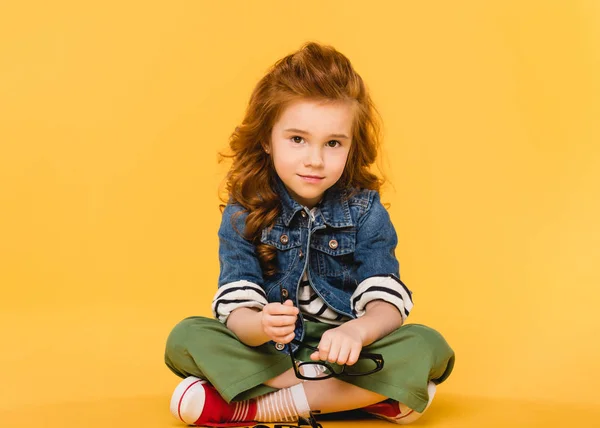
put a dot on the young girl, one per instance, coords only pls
(307, 261)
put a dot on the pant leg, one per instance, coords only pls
(205, 348)
(413, 355)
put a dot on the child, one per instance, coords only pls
(307, 259)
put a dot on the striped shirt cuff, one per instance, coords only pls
(383, 288)
(238, 294)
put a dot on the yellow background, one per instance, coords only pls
(111, 116)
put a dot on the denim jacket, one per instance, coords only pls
(350, 242)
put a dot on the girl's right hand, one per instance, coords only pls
(279, 321)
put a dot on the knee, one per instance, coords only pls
(178, 339)
(422, 331)
(433, 344)
(186, 344)
(431, 339)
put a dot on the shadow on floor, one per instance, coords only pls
(446, 411)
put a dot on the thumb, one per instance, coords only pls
(290, 304)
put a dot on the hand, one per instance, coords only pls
(279, 321)
(341, 345)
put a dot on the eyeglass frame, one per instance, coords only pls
(377, 358)
(310, 420)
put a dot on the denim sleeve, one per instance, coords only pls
(377, 266)
(237, 257)
(376, 242)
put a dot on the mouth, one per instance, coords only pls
(311, 178)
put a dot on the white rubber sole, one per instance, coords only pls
(187, 402)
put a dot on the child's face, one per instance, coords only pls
(312, 161)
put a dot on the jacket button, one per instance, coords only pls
(284, 239)
(303, 214)
(279, 346)
(333, 244)
(284, 293)
(301, 254)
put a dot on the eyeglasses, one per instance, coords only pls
(367, 364)
(374, 363)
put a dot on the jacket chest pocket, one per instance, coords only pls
(334, 252)
(287, 241)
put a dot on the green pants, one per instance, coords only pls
(203, 347)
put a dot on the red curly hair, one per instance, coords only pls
(317, 72)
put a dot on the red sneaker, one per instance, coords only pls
(196, 402)
(398, 413)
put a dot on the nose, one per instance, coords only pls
(314, 157)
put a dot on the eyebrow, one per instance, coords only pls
(299, 131)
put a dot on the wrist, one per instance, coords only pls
(246, 324)
(379, 320)
(262, 335)
(362, 328)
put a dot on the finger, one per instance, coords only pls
(278, 309)
(342, 357)
(272, 308)
(314, 356)
(324, 346)
(267, 308)
(284, 309)
(282, 320)
(281, 331)
(285, 339)
(354, 354)
(334, 351)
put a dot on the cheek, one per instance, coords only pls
(284, 165)
(337, 163)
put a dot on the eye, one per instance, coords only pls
(294, 139)
(336, 143)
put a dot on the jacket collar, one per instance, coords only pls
(333, 207)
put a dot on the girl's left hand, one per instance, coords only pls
(341, 345)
